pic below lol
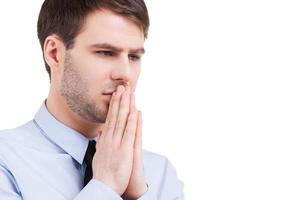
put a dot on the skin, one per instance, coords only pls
(106, 58)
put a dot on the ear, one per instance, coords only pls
(54, 50)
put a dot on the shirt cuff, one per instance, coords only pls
(148, 194)
(96, 189)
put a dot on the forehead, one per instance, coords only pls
(104, 26)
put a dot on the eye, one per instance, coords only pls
(134, 57)
(105, 53)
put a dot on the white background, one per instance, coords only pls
(220, 91)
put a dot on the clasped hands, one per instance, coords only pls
(118, 160)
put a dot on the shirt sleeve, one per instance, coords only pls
(96, 189)
(8, 187)
(171, 188)
(148, 195)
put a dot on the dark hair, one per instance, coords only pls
(66, 18)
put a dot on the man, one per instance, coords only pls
(85, 142)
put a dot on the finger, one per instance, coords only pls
(138, 153)
(132, 106)
(128, 138)
(138, 139)
(113, 112)
(124, 109)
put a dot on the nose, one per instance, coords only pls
(122, 69)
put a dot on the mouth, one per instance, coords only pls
(107, 94)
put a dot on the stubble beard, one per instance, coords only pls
(75, 91)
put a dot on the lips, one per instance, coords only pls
(107, 93)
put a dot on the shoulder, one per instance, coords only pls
(14, 138)
(17, 134)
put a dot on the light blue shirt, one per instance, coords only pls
(43, 160)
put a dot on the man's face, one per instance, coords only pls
(106, 54)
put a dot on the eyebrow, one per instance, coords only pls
(116, 49)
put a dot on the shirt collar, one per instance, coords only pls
(71, 141)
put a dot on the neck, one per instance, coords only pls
(58, 107)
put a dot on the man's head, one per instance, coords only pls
(90, 47)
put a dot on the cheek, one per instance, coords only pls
(95, 73)
(96, 82)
